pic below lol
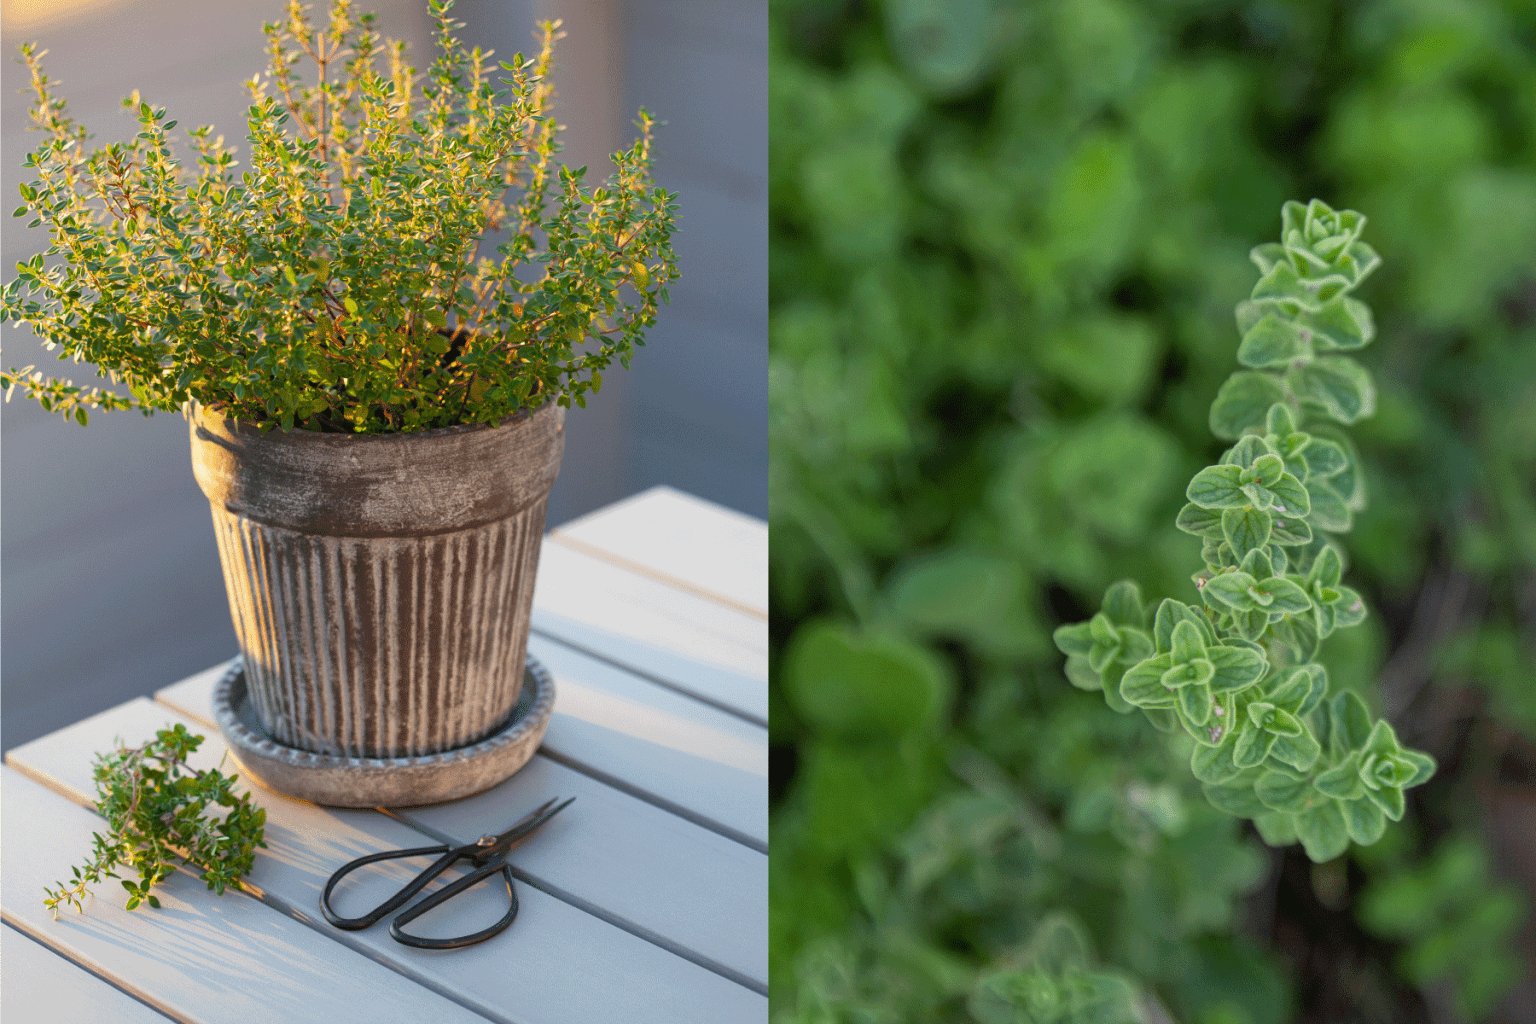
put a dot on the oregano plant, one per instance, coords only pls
(160, 812)
(336, 282)
(1238, 670)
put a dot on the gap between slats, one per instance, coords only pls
(27, 935)
(649, 677)
(287, 910)
(660, 802)
(650, 573)
(617, 921)
(602, 914)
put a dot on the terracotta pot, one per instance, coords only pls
(380, 585)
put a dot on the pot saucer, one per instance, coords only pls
(385, 781)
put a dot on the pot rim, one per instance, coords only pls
(302, 436)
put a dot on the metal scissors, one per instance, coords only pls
(489, 854)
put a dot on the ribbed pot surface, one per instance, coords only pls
(380, 585)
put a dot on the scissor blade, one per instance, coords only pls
(531, 823)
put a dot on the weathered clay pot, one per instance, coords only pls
(380, 585)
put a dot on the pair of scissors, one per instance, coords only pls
(488, 853)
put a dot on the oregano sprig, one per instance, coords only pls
(160, 812)
(336, 282)
(1238, 671)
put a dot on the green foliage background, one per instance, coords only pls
(1007, 239)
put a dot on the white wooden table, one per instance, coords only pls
(647, 900)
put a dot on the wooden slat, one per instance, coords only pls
(689, 642)
(703, 762)
(39, 984)
(668, 749)
(702, 893)
(541, 969)
(683, 541)
(193, 696)
(199, 958)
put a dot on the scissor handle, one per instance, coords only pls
(396, 901)
(448, 892)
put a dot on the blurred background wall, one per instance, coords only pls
(109, 578)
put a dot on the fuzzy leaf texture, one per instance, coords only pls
(1238, 673)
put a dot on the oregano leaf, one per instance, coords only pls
(1275, 828)
(1231, 589)
(1324, 458)
(1202, 522)
(1242, 403)
(1217, 487)
(1290, 497)
(1285, 597)
(1349, 609)
(1235, 668)
(1123, 604)
(1279, 421)
(1169, 614)
(1273, 341)
(1248, 450)
(1246, 529)
(1342, 781)
(1187, 643)
(1257, 564)
(1081, 674)
(1327, 568)
(1290, 531)
(1267, 469)
(1252, 746)
(1280, 792)
(1327, 509)
(1142, 684)
(1298, 752)
(1215, 764)
(1322, 831)
(1390, 801)
(1351, 724)
(1073, 639)
(1338, 384)
(1364, 820)
(1237, 797)
(1343, 325)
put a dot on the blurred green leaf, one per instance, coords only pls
(1113, 472)
(1109, 358)
(846, 683)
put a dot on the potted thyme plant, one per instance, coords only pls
(376, 407)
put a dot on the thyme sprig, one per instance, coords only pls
(160, 811)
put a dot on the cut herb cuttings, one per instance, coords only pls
(159, 812)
